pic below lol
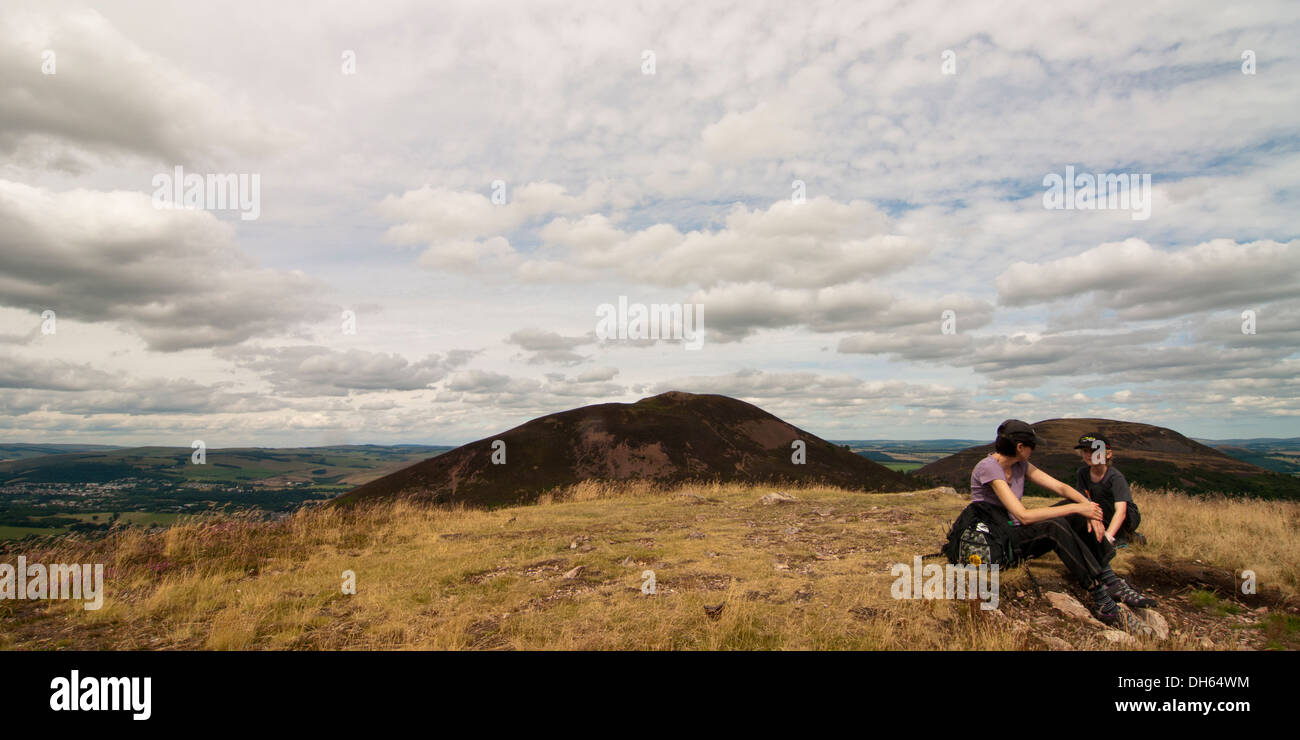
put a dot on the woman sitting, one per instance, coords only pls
(1073, 531)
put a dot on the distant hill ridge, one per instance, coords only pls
(668, 438)
(1151, 455)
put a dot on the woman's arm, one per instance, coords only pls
(1054, 485)
(1029, 516)
(1082, 504)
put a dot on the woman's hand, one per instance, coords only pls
(1091, 510)
(1097, 530)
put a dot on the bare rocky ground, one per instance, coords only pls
(1191, 613)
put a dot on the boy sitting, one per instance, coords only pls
(1105, 485)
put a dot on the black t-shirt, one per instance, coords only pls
(1111, 488)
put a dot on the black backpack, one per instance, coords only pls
(981, 536)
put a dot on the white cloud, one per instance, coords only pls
(174, 277)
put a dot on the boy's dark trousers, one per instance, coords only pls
(1071, 540)
(1132, 518)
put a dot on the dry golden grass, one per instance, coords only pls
(1238, 534)
(813, 574)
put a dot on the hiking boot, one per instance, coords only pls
(1127, 595)
(1123, 619)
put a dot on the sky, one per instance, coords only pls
(858, 196)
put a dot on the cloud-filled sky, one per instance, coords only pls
(448, 193)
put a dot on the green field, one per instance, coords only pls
(68, 490)
(17, 533)
(137, 518)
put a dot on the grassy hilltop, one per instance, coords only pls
(566, 573)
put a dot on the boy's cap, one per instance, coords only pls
(1085, 442)
(1019, 431)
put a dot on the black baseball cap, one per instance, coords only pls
(1085, 442)
(1018, 431)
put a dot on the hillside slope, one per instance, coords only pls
(668, 438)
(1152, 456)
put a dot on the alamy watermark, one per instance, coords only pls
(53, 581)
(1099, 192)
(213, 192)
(78, 693)
(945, 581)
(637, 321)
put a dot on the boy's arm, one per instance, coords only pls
(1117, 521)
(1122, 495)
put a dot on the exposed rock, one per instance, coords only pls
(1070, 607)
(575, 572)
(1156, 622)
(1054, 642)
(1119, 637)
(940, 491)
(776, 498)
(695, 536)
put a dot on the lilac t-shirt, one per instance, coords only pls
(989, 470)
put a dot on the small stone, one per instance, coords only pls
(715, 612)
(695, 536)
(780, 566)
(1118, 637)
(574, 573)
(790, 530)
(628, 562)
(573, 545)
(1156, 622)
(1055, 643)
(776, 498)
